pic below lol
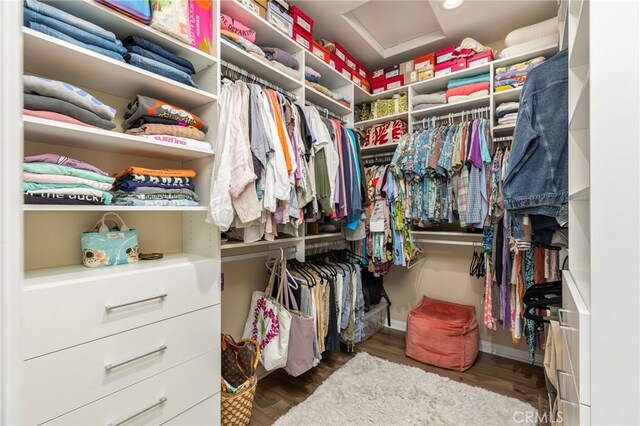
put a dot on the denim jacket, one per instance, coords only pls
(537, 178)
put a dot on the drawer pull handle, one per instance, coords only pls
(110, 367)
(161, 401)
(109, 308)
(562, 321)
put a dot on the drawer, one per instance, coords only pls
(204, 414)
(575, 326)
(155, 400)
(88, 304)
(63, 381)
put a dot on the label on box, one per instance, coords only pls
(346, 73)
(378, 73)
(362, 72)
(318, 52)
(406, 67)
(410, 77)
(302, 40)
(351, 64)
(394, 85)
(443, 71)
(392, 73)
(355, 78)
(425, 74)
(341, 55)
(332, 63)
(477, 62)
(444, 58)
(377, 90)
(304, 24)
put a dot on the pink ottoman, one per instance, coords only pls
(443, 334)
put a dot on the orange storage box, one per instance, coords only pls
(443, 334)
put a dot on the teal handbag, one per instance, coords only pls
(104, 246)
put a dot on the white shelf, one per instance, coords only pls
(512, 95)
(53, 58)
(482, 101)
(241, 245)
(579, 42)
(372, 122)
(440, 83)
(123, 26)
(362, 96)
(107, 208)
(262, 69)
(324, 101)
(388, 147)
(447, 234)
(504, 129)
(547, 52)
(579, 118)
(330, 78)
(266, 34)
(582, 194)
(65, 134)
(327, 236)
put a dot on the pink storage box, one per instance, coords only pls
(443, 334)
(450, 67)
(301, 37)
(302, 20)
(444, 55)
(201, 27)
(480, 59)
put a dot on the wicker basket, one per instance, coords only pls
(236, 408)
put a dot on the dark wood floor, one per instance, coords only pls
(278, 392)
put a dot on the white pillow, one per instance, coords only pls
(529, 46)
(532, 32)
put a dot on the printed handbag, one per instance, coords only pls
(389, 132)
(269, 323)
(104, 246)
(303, 333)
(239, 360)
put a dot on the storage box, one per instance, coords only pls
(283, 4)
(320, 52)
(425, 61)
(450, 66)
(366, 86)
(279, 19)
(351, 63)
(391, 72)
(394, 82)
(425, 74)
(378, 87)
(341, 52)
(406, 67)
(364, 73)
(444, 55)
(410, 77)
(201, 27)
(480, 58)
(377, 76)
(302, 20)
(375, 320)
(302, 38)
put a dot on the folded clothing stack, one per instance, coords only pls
(158, 120)
(338, 97)
(514, 76)
(54, 179)
(429, 100)
(507, 113)
(311, 75)
(139, 10)
(139, 186)
(149, 56)
(54, 22)
(59, 101)
(464, 88)
(532, 37)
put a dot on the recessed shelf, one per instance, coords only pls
(512, 95)
(123, 26)
(53, 58)
(372, 122)
(503, 129)
(65, 134)
(107, 208)
(330, 78)
(260, 68)
(324, 101)
(482, 101)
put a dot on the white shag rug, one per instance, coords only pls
(371, 391)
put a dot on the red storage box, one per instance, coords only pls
(302, 20)
(378, 87)
(394, 82)
(450, 66)
(444, 55)
(351, 63)
(301, 37)
(377, 76)
(443, 334)
(480, 58)
(425, 61)
(320, 52)
(341, 52)
(364, 73)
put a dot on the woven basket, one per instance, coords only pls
(236, 408)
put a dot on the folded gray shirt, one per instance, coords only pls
(279, 55)
(430, 98)
(44, 103)
(67, 92)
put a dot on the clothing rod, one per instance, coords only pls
(470, 112)
(333, 243)
(264, 253)
(447, 242)
(326, 112)
(258, 80)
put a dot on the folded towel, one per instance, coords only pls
(279, 55)
(506, 112)
(532, 32)
(67, 92)
(460, 98)
(45, 103)
(431, 98)
(172, 17)
(310, 71)
(320, 88)
(134, 40)
(145, 106)
(507, 105)
(170, 130)
(467, 89)
(463, 81)
(529, 46)
(140, 10)
(63, 161)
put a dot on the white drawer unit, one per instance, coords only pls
(65, 380)
(155, 400)
(206, 413)
(68, 306)
(575, 326)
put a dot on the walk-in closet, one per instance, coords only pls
(305, 212)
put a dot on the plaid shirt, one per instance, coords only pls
(463, 188)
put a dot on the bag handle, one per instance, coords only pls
(283, 270)
(272, 278)
(103, 228)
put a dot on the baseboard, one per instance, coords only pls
(487, 347)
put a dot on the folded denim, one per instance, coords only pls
(146, 44)
(159, 68)
(149, 54)
(67, 18)
(73, 32)
(67, 92)
(37, 102)
(57, 34)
